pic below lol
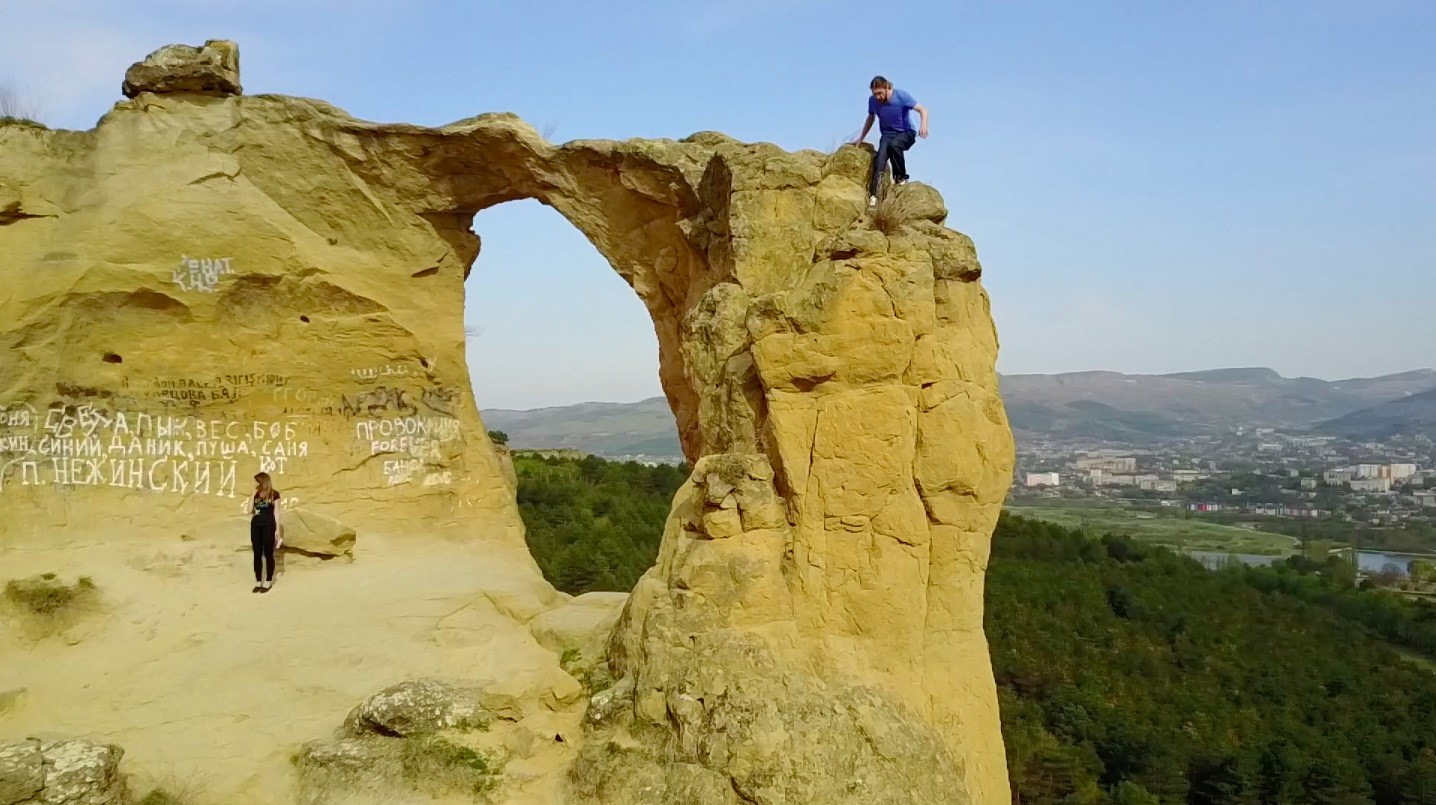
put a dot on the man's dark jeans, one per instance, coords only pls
(891, 147)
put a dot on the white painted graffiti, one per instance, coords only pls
(404, 470)
(17, 415)
(152, 475)
(83, 445)
(399, 471)
(419, 437)
(373, 373)
(201, 273)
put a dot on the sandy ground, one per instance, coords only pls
(210, 687)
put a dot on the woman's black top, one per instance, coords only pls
(264, 508)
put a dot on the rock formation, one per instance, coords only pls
(213, 68)
(68, 771)
(210, 284)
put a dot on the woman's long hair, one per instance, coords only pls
(266, 487)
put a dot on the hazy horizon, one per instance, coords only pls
(574, 403)
(1152, 188)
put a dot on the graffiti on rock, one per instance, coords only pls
(73, 445)
(201, 273)
(377, 401)
(420, 437)
(195, 391)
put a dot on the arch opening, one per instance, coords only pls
(548, 323)
(640, 221)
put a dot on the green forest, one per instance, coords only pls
(1126, 673)
(594, 524)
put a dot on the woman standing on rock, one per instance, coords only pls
(263, 525)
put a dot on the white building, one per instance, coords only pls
(1113, 463)
(1400, 472)
(1368, 470)
(1371, 485)
(1043, 479)
(1338, 477)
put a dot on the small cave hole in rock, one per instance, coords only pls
(304, 319)
(111, 357)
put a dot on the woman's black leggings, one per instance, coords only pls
(261, 539)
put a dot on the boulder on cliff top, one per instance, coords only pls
(212, 68)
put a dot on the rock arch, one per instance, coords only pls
(206, 270)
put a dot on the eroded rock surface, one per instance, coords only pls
(22, 772)
(313, 534)
(210, 68)
(416, 707)
(61, 772)
(583, 625)
(207, 286)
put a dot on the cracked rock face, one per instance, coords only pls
(62, 772)
(416, 707)
(210, 68)
(207, 286)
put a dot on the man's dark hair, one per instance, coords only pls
(879, 81)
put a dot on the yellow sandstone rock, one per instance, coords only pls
(210, 285)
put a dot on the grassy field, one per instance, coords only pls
(1190, 535)
(1415, 657)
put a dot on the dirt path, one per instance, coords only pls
(208, 685)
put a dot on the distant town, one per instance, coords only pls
(1224, 462)
(1247, 472)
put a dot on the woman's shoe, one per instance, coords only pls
(257, 589)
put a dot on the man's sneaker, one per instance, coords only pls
(872, 201)
(900, 181)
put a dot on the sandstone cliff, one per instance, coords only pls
(209, 284)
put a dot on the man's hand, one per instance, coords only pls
(867, 127)
(922, 127)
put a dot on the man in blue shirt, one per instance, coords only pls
(892, 108)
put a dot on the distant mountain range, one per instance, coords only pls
(604, 429)
(1105, 406)
(1111, 406)
(1407, 416)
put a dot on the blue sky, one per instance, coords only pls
(1152, 187)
